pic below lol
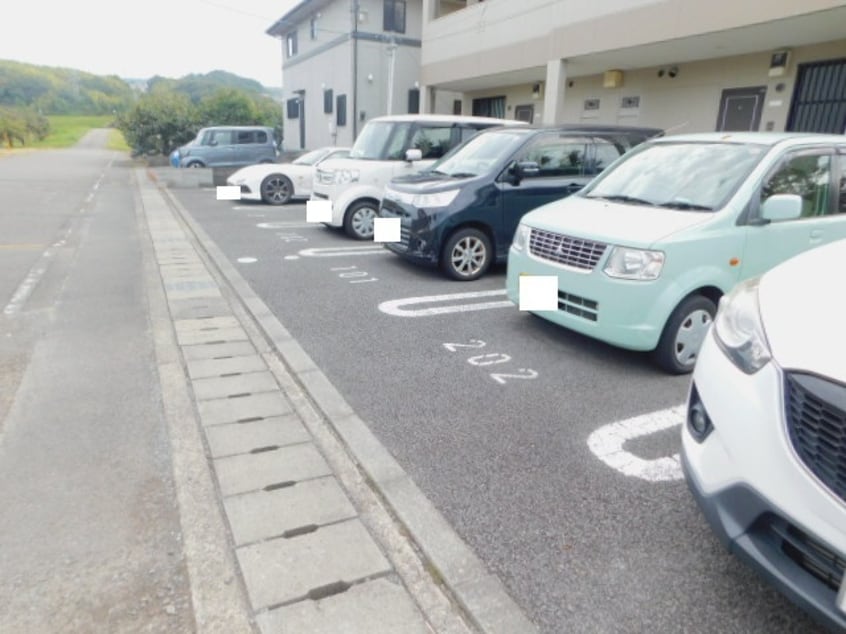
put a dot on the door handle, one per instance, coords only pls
(816, 235)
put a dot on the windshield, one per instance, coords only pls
(480, 155)
(688, 176)
(380, 141)
(310, 158)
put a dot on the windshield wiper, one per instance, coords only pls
(624, 199)
(683, 204)
(439, 172)
(463, 175)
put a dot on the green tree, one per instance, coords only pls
(228, 106)
(20, 125)
(159, 122)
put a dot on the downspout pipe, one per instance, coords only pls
(355, 10)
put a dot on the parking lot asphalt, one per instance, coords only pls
(553, 456)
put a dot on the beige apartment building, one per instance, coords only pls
(683, 65)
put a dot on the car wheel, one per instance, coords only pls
(195, 164)
(276, 189)
(467, 255)
(683, 334)
(359, 221)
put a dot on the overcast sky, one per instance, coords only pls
(142, 38)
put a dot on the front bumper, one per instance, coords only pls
(418, 242)
(247, 192)
(760, 501)
(620, 312)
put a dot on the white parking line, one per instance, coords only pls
(607, 443)
(283, 225)
(395, 306)
(334, 252)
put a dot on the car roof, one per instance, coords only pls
(584, 128)
(759, 138)
(237, 127)
(447, 118)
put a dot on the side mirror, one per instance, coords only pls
(528, 168)
(781, 207)
(413, 154)
(213, 142)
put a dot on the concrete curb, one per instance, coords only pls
(481, 594)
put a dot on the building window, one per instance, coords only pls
(394, 16)
(293, 108)
(456, 106)
(313, 28)
(489, 107)
(414, 101)
(327, 101)
(291, 42)
(341, 110)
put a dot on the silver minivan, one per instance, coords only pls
(227, 145)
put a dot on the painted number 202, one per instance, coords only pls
(489, 359)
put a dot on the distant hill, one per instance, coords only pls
(197, 86)
(51, 90)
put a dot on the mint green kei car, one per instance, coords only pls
(646, 250)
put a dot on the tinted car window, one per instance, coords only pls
(433, 142)
(218, 137)
(605, 152)
(261, 136)
(808, 176)
(246, 136)
(557, 155)
(841, 207)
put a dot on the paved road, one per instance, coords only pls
(89, 529)
(491, 412)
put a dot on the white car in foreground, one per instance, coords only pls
(277, 183)
(764, 444)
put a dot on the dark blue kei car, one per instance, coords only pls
(462, 212)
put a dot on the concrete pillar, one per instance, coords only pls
(555, 88)
(427, 99)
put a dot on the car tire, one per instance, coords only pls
(467, 255)
(276, 189)
(683, 335)
(194, 164)
(359, 219)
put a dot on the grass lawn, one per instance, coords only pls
(116, 141)
(66, 130)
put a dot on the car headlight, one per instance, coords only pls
(634, 264)
(738, 329)
(521, 237)
(439, 199)
(342, 177)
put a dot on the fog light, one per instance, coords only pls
(698, 422)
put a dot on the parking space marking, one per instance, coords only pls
(396, 308)
(284, 225)
(607, 444)
(334, 252)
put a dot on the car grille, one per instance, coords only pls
(816, 422)
(325, 177)
(813, 556)
(579, 306)
(581, 254)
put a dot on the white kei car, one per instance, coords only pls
(764, 444)
(277, 183)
